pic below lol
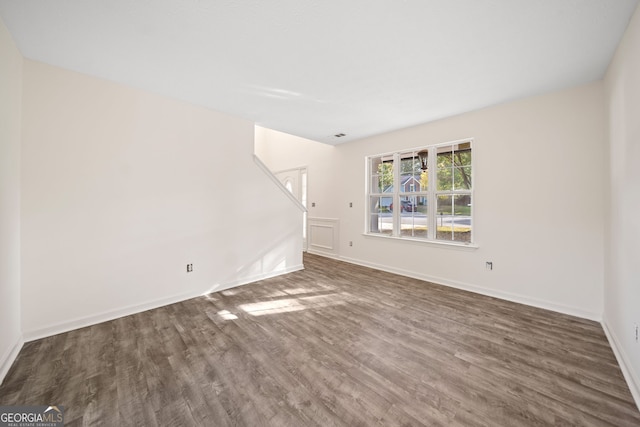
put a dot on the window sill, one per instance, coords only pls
(439, 243)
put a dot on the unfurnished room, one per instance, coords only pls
(319, 213)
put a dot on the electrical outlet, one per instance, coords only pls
(313, 204)
(350, 243)
(189, 268)
(636, 332)
(489, 265)
(350, 204)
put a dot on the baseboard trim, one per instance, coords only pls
(9, 357)
(255, 278)
(83, 322)
(547, 305)
(324, 254)
(627, 371)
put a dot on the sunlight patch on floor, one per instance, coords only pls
(227, 315)
(294, 304)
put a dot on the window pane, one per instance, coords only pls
(445, 171)
(454, 217)
(375, 162)
(381, 174)
(462, 154)
(381, 219)
(445, 159)
(410, 183)
(409, 172)
(445, 181)
(381, 204)
(409, 164)
(424, 180)
(462, 178)
(413, 217)
(379, 184)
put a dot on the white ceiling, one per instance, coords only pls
(316, 68)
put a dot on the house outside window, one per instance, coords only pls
(424, 193)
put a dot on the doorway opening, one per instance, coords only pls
(296, 181)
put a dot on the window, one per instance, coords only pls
(425, 193)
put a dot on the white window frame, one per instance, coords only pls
(431, 194)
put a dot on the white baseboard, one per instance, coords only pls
(547, 305)
(627, 370)
(9, 357)
(324, 254)
(255, 278)
(82, 322)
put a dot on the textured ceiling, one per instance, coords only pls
(316, 68)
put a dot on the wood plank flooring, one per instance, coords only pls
(335, 344)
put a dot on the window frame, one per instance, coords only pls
(431, 194)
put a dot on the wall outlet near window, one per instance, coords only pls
(635, 328)
(350, 243)
(189, 268)
(489, 265)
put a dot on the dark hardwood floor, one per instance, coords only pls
(335, 344)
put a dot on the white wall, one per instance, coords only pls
(539, 189)
(122, 188)
(10, 108)
(622, 272)
(281, 151)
